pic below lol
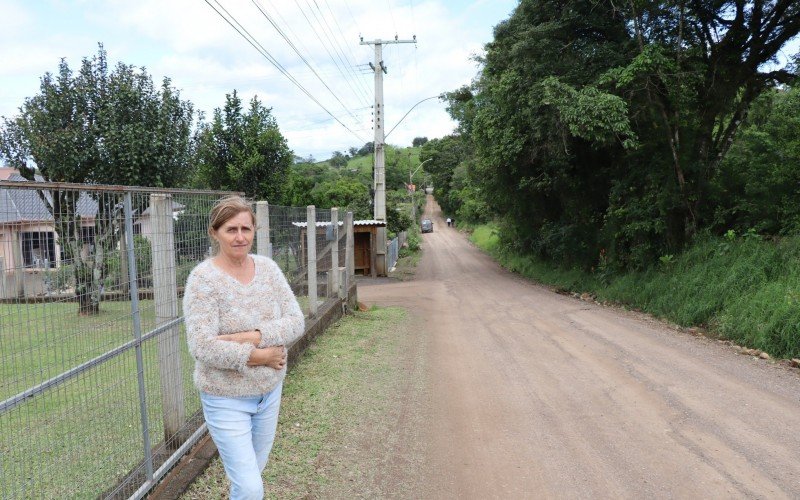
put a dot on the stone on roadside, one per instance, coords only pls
(763, 355)
(796, 362)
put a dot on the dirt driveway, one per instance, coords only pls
(539, 395)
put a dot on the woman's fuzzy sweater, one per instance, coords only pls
(215, 303)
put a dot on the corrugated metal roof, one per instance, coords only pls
(366, 222)
(8, 210)
(18, 205)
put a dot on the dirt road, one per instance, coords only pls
(539, 395)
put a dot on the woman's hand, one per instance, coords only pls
(274, 357)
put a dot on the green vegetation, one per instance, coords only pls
(100, 127)
(333, 184)
(644, 131)
(741, 287)
(242, 151)
(338, 390)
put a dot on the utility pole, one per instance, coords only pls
(379, 179)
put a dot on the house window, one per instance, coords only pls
(39, 249)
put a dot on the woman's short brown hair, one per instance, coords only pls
(224, 210)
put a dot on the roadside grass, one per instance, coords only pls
(744, 289)
(406, 265)
(42, 340)
(342, 384)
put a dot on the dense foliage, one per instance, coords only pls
(105, 127)
(611, 129)
(243, 151)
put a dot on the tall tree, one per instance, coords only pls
(243, 151)
(603, 124)
(696, 70)
(101, 127)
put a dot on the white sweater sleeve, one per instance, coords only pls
(290, 324)
(201, 310)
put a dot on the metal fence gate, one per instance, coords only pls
(96, 396)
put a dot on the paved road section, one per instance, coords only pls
(539, 395)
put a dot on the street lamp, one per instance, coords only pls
(410, 183)
(440, 97)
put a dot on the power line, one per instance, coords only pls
(391, 14)
(261, 50)
(297, 51)
(336, 47)
(324, 45)
(346, 44)
(355, 92)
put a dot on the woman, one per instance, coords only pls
(240, 316)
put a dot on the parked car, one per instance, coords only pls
(426, 226)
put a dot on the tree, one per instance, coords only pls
(343, 193)
(367, 149)
(696, 69)
(338, 159)
(302, 179)
(419, 141)
(602, 125)
(98, 126)
(243, 151)
(757, 184)
(442, 157)
(397, 221)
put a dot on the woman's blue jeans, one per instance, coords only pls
(243, 430)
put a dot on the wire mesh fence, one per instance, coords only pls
(96, 392)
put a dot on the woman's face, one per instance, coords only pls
(235, 237)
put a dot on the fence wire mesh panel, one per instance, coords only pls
(393, 249)
(95, 377)
(288, 248)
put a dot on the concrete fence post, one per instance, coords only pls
(165, 295)
(350, 256)
(334, 253)
(263, 244)
(311, 245)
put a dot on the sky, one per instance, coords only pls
(205, 58)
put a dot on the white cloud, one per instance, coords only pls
(205, 58)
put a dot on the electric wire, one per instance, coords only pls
(356, 77)
(344, 39)
(297, 51)
(347, 62)
(323, 23)
(391, 14)
(261, 50)
(324, 45)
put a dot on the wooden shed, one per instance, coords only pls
(365, 234)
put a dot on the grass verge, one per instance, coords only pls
(744, 289)
(342, 389)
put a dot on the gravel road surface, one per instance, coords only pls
(533, 394)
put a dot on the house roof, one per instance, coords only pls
(366, 222)
(23, 205)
